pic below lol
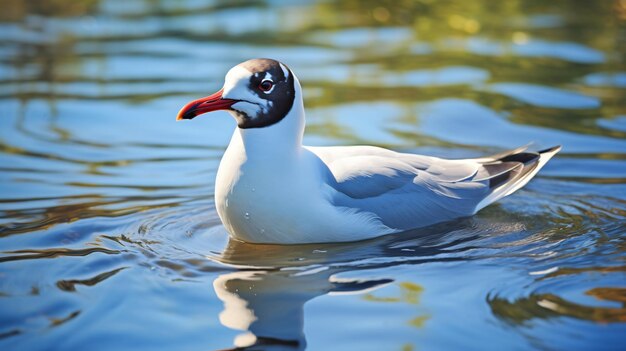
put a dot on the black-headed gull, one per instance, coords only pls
(272, 189)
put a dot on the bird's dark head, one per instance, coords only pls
(258, 93)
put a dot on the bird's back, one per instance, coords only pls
(408, 191)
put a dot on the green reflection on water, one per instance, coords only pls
(552, 306)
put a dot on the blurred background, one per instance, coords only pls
(108, 233)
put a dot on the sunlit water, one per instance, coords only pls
(109, 237)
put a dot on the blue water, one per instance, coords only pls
(109, 237)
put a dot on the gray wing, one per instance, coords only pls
(408, 191)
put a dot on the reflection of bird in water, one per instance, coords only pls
(272, 189)
(269, 305)
(266, 298)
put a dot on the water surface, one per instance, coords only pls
(109, 237)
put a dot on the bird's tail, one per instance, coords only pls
(521, 167)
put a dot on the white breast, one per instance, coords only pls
(272, 199)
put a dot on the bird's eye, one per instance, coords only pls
(266, 85)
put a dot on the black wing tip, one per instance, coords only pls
(551, 150)
(521, 157)
(528, 157)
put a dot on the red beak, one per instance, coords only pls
(206, 104)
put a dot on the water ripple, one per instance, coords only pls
(52, 253)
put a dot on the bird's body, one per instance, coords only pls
(272, 189)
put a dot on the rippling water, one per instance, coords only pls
(109, 237)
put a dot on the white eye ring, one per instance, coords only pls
(265, 87)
